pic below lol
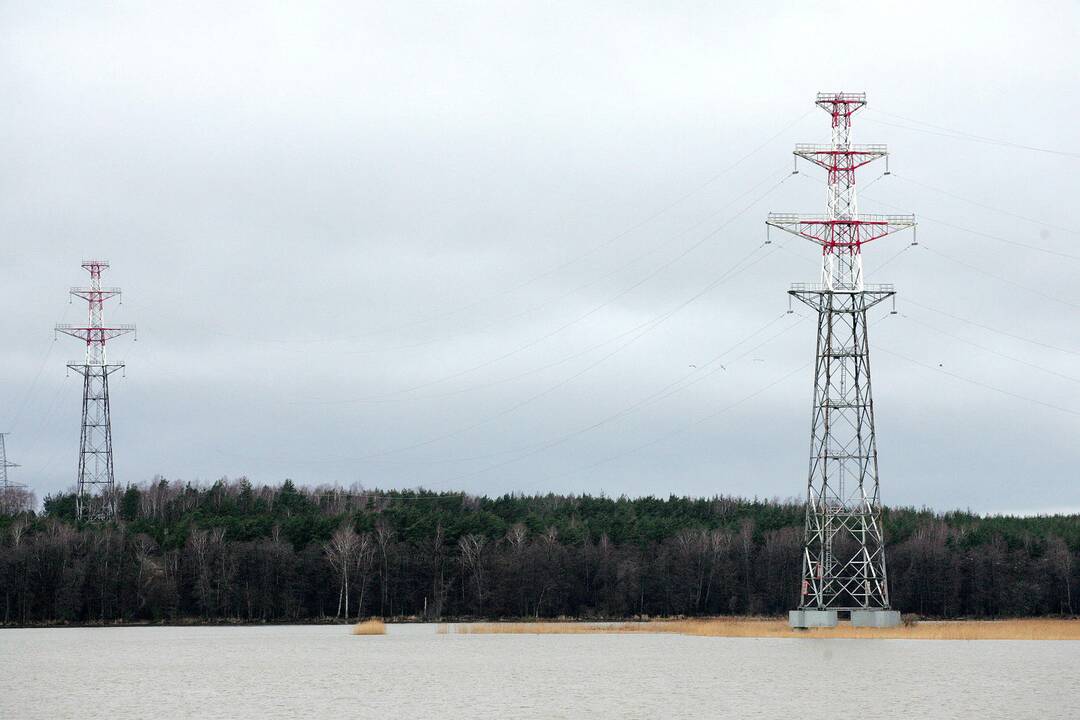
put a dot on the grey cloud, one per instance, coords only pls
(315, 206)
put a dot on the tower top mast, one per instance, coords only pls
(841, 231)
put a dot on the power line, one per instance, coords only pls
(573, 291)
(961, 135)
(984, 206)
(732, 272)
(678, 201)
(35, 438)
(685, 427)
(592, 311)
(668, 390)
(945, 223)
(992, 351)
(37, 376)
(536, 396)
(993, 329)
(527, 373)
(1007, 241)
(661, 394)
(978, 383)
(678, 431)
(30, 388)
(897, 254)
(1000, 278)
(396, 327)
(521, 313)
(651, 325)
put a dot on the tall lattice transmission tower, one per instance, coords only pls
(96, 496)
(844, 551)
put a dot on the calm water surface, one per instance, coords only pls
(323, 672)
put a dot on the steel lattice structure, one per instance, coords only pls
(844, 551)
(95, 443)
(11, 499)
(6, 482)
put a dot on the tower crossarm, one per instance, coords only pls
(5, 464)
(91, 294)
(826, 99)
(817, 296)
(80, 367)
(843, 158)
(840, 103)
(832, 232)
(94, 334)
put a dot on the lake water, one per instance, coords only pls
(324, 672)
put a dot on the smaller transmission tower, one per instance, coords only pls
(13, 499)
(5, 481)
(95, 444)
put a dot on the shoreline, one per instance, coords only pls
(1002, 629)
(1028, 628)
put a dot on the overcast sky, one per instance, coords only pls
(495, 246)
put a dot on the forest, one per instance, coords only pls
(237, 552)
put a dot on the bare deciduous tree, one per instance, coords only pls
(16, 500)
(1057, 552)
(363, 563)
(341, 552)
(384, 537)
(439, 587)
(471, 548)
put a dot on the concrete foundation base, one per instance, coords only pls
(875, 618)
(812, 618)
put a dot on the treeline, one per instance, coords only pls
(238, 552)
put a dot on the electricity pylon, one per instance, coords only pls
(5, 465)
(95, 443)
(844, 549)
(12, 498)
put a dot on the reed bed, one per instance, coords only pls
(369, 627)
(1026, 629)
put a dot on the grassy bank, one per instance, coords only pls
(1018, 629)
(369, 627)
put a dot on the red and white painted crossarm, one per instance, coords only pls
(841, 103)
(95, 294)
(840, 232)
(839, 159)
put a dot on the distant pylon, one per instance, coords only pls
(5, 481)
(844, 548)
(11, 499)
(95, 444)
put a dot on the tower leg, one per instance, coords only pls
(82, 494)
